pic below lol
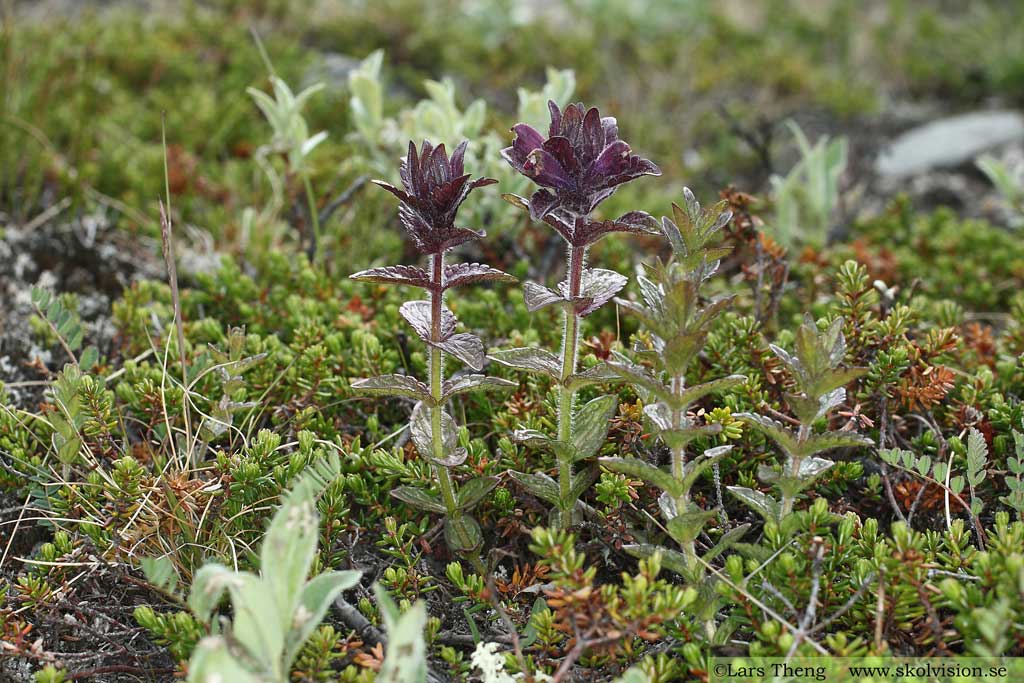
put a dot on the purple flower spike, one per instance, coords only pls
(580, 164)
(435, 187)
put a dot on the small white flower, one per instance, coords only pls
(491, 663)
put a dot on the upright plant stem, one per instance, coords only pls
(794, 470)
(679, 467)
(314, 218)
(444, 477)
(570, 344)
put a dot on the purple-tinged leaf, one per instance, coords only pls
(538, 296)
(531, 360)
(467, 347)
(395, 275)
(393, 385)
(597, 287)
(459, 274)
(418, 315)
(435, 187)
(467, 383)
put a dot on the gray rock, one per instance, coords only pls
(948, 142)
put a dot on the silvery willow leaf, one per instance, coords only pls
(459, 274)
(538, 296)
(393, 385)
(530, 359)
(419, 499)
(667, 505)
(212, 660)
(540, 485)
(465, 383)
(473, 491)
(317, 596)
(395, 275)
(634, 467)
(590, 426)
(466, 347)
(406, 658)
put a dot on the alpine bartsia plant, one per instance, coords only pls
(434, 188)
(679, 321)
(820, 384)
(578, 165)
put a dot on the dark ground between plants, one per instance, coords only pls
(947, 247)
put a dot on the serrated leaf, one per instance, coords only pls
(818, 443)
(597, 374)
(684, 528)
(540, 485)
(583, 480)
(597, 287)
(467, 347)
(421, 429)
(538, 297)
(694, 468)
(761, 503)
(395, 275)
(811, 468)
(466, 383)
(473, 491)
(393, 385)
(531, 360)
(771, 429)
(419, 499)
(590, 426)
(459, 274)
(728, 539)
(641, 377)
(699, 391)
(419, 316)
(639, 469)
(670, 559)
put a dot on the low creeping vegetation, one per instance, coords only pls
(765, 455)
